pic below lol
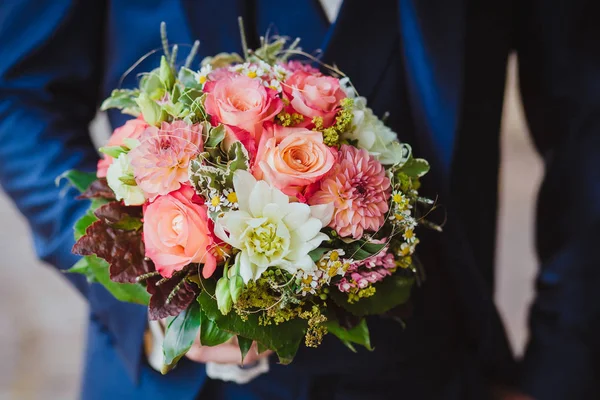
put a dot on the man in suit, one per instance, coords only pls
(438, 67)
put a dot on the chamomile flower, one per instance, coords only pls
(406, 249)
(230, 199)
(273, 84)
(280, 73)
(203, 74)
(400, 201)
(309, 282)
(214, 201)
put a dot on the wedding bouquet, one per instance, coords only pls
(257, 198)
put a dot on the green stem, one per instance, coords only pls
(193, 53)
(174, 56)
(243, 37)
(164, 40)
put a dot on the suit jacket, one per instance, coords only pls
(438, 67)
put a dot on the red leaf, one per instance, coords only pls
(123, 250)
(120, 216)
(185, 295)
(98, 189)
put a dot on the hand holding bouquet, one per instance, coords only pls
(256, 197)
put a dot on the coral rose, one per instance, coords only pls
(241, 102)
(176, 233)
(292, 158)
(132, 129)
(314, 96)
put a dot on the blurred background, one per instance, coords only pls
(42, 336)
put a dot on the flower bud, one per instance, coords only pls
(224, 300)
(236, 284)
(166, 73)
(151, 112)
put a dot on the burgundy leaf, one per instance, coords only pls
(120, 216)
(98, 189)
(185, 295)
(123, 250)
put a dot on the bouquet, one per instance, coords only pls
(256, 197)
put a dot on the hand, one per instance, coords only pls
(226, 353)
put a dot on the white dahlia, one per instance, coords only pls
(269, 230)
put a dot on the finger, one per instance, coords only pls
(222, 354)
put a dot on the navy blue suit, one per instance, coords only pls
(438, 67)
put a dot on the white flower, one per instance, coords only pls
(280, 72)
(120, 179)
(347, 87)
(373, 135)
(203, 74)
(269, 230)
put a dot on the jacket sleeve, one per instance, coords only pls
(50, 76)
(559, 62)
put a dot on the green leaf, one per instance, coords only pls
(245, 345)
(189, 95)
(222, 60)
(260, 348)
(83, 267)
(113, 151)
(189, 78)
(317, 253)
(268, 52)
(80, 180)
(151, 83)
(361, 250)
(175, 93)
(373, 248)
(391, 292)
(151, 111)
(210, 334)
(238, 159)
(415, 167)
(97, 270)
(82, 223)
(357, 335)
(216, 136)
(180, 335)
(284, 338)
(129, 223)
(128, 180)
(124, 100)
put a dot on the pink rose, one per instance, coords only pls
(292, 158)
(314, 96)
(241, 102)
(296, 65)
(160, 162)
(176, 233)
(131, 130)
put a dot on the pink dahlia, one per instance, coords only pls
(160, 162)
(359, 189)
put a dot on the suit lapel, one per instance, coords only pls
(213, 23)
(360, 41)
(433, 34)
